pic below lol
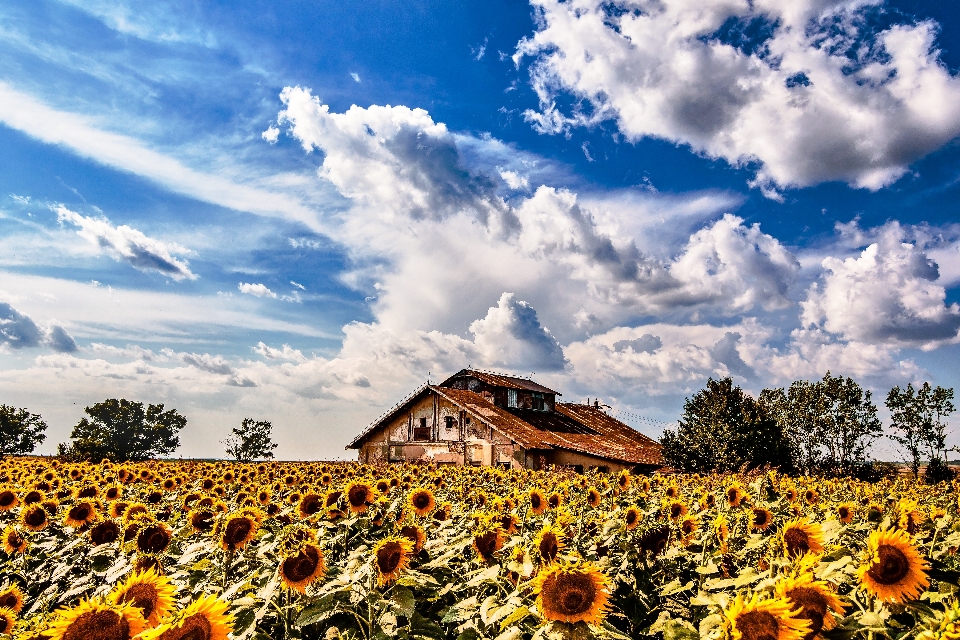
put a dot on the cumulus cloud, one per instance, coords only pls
(284, 353)
(803, 90)
(256, 289)
(511, 335)
(889, 294)
(19, 331)
(129, 245)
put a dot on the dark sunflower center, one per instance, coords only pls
(301, 566)
(732, 495)
(631, 517)
(535, 501)
(3, 624)
(675, 510)
(549, 546)
(843, 512)
(421, 500)
(105, 533)
(153, 539)
(758, 625)
(573, 593)
(202, 520)
(332, 498)
(143, 596)
(80, 512)
(813, 607)
(8, 601)
(891, 566)
(410, 532)
(486, 543)
(35, 517)
(358, 496)
(760, 518)
(237, 530)
(87, 492)
(98, 625)
(687, 527)
(112, 493)
(796, 541)
(554, 501)
(7, 498)
(196, 627)
(389, 557)
(32, 497)
(311, 505)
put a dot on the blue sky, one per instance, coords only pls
(300, 211)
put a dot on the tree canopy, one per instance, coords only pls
(251, 441)
(20, 431)
(918, 417)
(120, 430)
(723, 428)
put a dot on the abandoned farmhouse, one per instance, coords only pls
(482, 418)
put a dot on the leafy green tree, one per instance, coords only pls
(20, 431)
(124, 430)
(829, 424)
(918, 415)
(252, 440)
(723, 428)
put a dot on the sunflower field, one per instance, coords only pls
(217, 550)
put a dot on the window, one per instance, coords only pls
(537, 401)
(512, 398)
(449, 422)
(421, 432)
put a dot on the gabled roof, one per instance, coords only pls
(500, 380)
(600, 435)
(387, 415)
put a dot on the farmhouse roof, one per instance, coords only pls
(500, 380)
(573, 427)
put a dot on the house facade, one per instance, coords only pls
(487, 419)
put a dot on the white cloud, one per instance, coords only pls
(285, 353)
(82, 135)
(19, 331)
(819, 98)
(260, 290)
(129, 245)
(515, 180)
(355, 76)
(271, 135)
(510, 335)
(888, 294)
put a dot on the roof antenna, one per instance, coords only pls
(428, 377)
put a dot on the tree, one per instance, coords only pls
(829, 424)
(801, 412)
(723, 428)
(20, 431)
(251, 441)
(124, 430)
(918, 415)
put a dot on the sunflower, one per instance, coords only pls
(688, 528)
(771, 619)
(672, 491)
(874, 512)
(910, 516)
(845, 512)
(202, 520)
(760, 519)
(555, 500)
(149, 592)
(487, 540)
(82, 513)
(508, 522)
(113, 492)
(811, 496)
(300, 570)
(790, 494)
(947, 627)
(815, 599)
(118, 508)
(390, 557)
(8, 499)
(206, 618)
(7, 619)
(593, 497)
(13, 541)
(734, 494)
(414, 534)
(237, 530)
(572, 593)
(892, 568)
(360, 496)
(631, 518)
(96, 620)
(800, 537)
(677, 509)
(104, 532)
(623, 480)
(422, 501)
(34, 518)
(153, 537)
(538, 502)
(549, 542)
(310, 504)
(12, 598)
